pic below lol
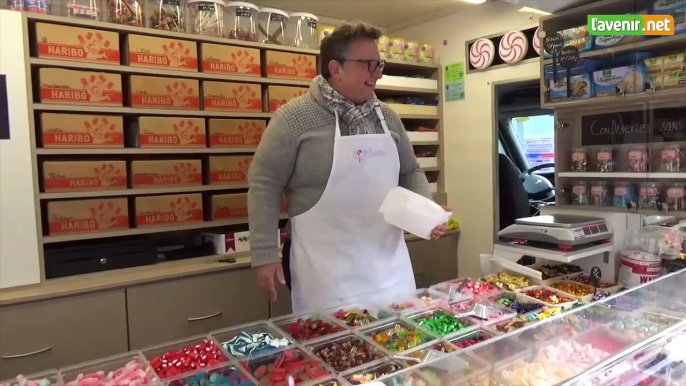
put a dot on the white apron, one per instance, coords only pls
(342, 250)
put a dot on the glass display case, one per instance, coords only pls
(618, 101)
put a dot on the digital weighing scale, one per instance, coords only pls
(564, 230)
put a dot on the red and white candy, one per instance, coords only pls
(482, 53)
(537, 41)
(132, 374)
(513, 47)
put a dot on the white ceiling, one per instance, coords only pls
(381, 13)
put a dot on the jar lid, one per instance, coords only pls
(242, 4)
(220, 2)
(304, 14)
(274, 10)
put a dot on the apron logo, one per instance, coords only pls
(362, 155)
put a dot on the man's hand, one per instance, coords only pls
(265, 279)
(440, 230)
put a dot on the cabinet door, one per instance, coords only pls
(433, 261)
(60, 332)
(177, 309)
(282, 305)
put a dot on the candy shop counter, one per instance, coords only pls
(430, 337)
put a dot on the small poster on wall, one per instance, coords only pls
(454, 82)
(4, 110)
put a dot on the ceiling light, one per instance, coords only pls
(533, 10)
(475, 1)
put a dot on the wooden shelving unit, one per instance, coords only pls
(642, 125)
(413, 118)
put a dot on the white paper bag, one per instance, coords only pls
(412, 212)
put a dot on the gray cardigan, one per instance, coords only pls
(296, 155)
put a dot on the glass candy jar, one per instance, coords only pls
(241, 21)
(167, 15)
(127, 12)
(579, 160)
(674, 196)
(624, 194)
(206, 17)
(271, 26)
(580, 193)
(606, 159)
(672, 159)
(638, 159)
(649, 195)
(302, 30)
(599, 194)
(384, 47)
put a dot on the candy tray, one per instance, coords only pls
(382, 369)
(426, 335)
(323, 345)
(445, 286)
(224, 335)
(528, 299)
(285, 322)
(269, 363)
(377, 313)
(609, 289)
(415, 317)
(584, 298)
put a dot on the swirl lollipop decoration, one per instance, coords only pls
(513, 47)
(482, 53)
(537, 41)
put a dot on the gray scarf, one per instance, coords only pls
(360, 119)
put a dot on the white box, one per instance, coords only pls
(433, 187)
(422, 136)
(238, 242)
(428, 162)
(403, 81)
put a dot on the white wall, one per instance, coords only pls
(19, 255)
(469, 133)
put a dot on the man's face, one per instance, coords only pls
(355, 81)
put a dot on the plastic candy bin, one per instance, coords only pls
(206, 17)
(398, 335)
(296, 326)
(110, 368)
(325, 346)
(159, 355)
(244, 339)
(277, 366)
(375, 371)
(241, 21)
(49, 375)
(346, 315)
(226, 374)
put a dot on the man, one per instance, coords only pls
(336, 152)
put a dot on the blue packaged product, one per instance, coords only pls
(624, 194)
(583, 44)
(629, 79)
(675, 8)
(580, 80)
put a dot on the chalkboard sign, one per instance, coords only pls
(4, 110)
(669, 125)
(552, 43)
(595, 278)
(615, 128)
(568, 57)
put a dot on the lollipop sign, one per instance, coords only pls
(482, 53)
(513, 47)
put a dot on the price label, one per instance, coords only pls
(568, 57)
(595, 278)
(553, 43)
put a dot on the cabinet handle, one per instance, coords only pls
(419, 272)
(204, 317)
(28, 354)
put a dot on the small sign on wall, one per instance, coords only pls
(4, 110)
(454, 81)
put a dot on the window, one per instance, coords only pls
(536, 137)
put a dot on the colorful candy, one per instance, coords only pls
(522, 372)
(551, 271)
(471, 340)
(312, 327)
(131, 374)
(576, 289)
(402, 306)
(475, 288)
(275, 370)
(441, 322)
(246, 343)
(400, 337)
(229, 377)
(574, 324)
(507, 281)
(546, 296)
(627, 302)
(187, 359)
(508, 301)
(355, 318)
(346, 354)
(636, 328)
(585, 279)
(22, 381)
(373, 374)
(573, 354)
(514, 324)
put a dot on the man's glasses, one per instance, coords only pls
(372, 65)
